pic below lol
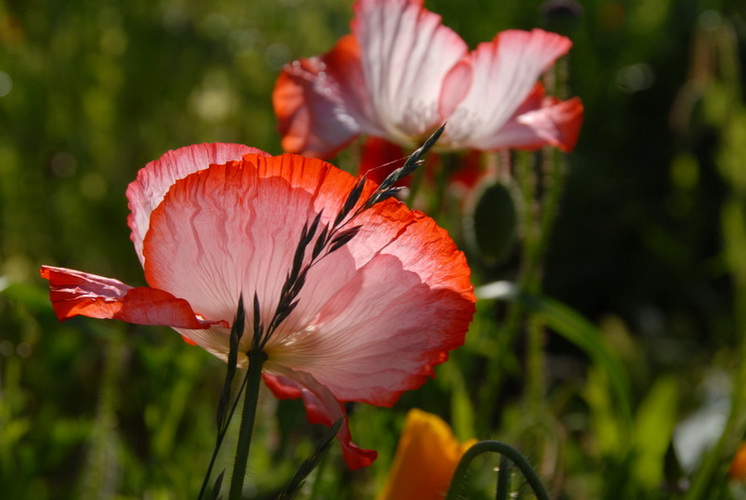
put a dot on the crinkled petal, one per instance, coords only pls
(406, 53)
(321, 408)
(232, 230)
(156, 178)
(372, 319)
(376, 316)
(320, 102)
(505, 73)
(75, 293)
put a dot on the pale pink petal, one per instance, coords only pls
(406, 53)
(372, 319)
(456, 85)
(547, 122)
(505, 73)
(155, 179)
(321, 408)
(320, 102)
(75, 293)
(376, 316)
(232, 230)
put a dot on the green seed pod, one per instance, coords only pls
(491, 221)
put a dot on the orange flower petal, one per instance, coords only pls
(425, 460)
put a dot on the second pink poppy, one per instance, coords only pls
(401, 73)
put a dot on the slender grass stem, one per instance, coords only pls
(251, 396)
(221, 436)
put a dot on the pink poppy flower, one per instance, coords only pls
(401, 74)
(372, 319)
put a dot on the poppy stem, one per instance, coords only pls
(507, 451)
(257, 357)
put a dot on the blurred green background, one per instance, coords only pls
(649, 244)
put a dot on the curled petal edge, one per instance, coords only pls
(156, 178)
(321, 408)
(75, 293)
(316, 101)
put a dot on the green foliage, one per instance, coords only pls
(633, 298)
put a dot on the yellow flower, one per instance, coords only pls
(425, 460)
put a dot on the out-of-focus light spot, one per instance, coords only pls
(6, 83)
(215, 25)
(685, 172)
(114, 42)
(241, 42)
(93, 186)
(24, 349)
(277, 55)
(6, 348)
(63, 164)
(212, 105)
(174, 18)
(635, 78)
(710, 20)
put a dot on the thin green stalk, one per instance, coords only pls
(222, 431)
(317, 482)
(533, 236)
(503, 479)
(449, 164)
(251, 396)
(535, 364)
(497, 368)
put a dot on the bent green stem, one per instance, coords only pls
(257, 358)
(506, 451)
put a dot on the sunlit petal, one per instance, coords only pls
(371, 317)
(505, 74)
(402, 302)
(321, 408)
(426, 457)
(406, 52)
(155, 179)
(76, 293)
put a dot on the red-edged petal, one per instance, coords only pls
(505, 73)
(75, 293)
(373, 318)
(232, 230)
(320, 102)
(156, 178)
(321, 408)
(380, 313)
(542, 121)
(406, 53)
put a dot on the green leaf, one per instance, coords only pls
(654, 424)
(576, 329)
